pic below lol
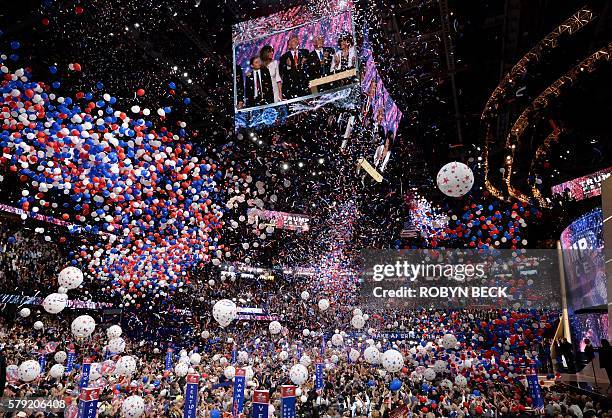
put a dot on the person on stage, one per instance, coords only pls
(346, 57)
(293, 68)
(267, 59)
(258, 84)
(239, 87)
(321, 58)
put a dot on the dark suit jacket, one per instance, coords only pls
(320, 67)
(294, 76)
(266, 95)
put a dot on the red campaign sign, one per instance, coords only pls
(193, 378)
(261, 396)
(87, 360)
(287, 391)
(90, 394)
(240, 373)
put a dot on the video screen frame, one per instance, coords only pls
(357, 67)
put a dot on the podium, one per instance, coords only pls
(314, 84)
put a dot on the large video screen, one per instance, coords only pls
(293, 61)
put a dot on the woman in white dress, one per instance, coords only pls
(346, 57)
(267, 58)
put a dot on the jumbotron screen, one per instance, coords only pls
(294, 61)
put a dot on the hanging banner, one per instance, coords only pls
(169, 353)
(583, 187)
(319, 375)
(85, 373)
(70, 360)
(535, 391)
(287, 401)
(239, 384)
(261, 399)
(280, 220)
(88, 403)
(191, 396)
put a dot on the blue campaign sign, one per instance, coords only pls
(70, 361)
(42, 360)
(85, 373)
(191, 396)
(535, 391)
(319, 375)
(239, 384)
(234, 355)
(88, 403)
(261, 399)
(287, 401)
(169, 354)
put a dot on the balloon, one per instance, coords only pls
(83, 326)
(195, 359)
(55, 303)
(354, 354)
(305, 360)
(306, 333)
(429, 374)
(323, 304)
(243, 356)
(337, 340)
(449, 341)
(460, 380)
(116, 345)
(57, 371)
(133, 407)
(395, 385)
(305, 295)
(440, 366)
(298, 374)
(455, 179)
(224, 312)
(181, 369)
(215, 413)
(445, 383)
(392, 361)
(114, 331)
(229, 372)
(205, 334)
(357, 312)
(70, 277)
(372, 355)
(60, 357)
(249, 373)
(125, 366)
(24, 312)
(38, 325)
(358, 322)
(29, 370)
(275, 327)
(283, 355)
(303, 398)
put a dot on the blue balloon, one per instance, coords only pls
(395, 384)
(215, 413)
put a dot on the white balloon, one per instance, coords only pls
(70, 277)
(357, 312)
(323, 304)
(60, 357)
(358, 322)
(55, 303)
(243, 356)
(305, 295)
(133, 407)
(29, 370)
(125, 366)
(298, 374)
(392, 361)
(181, 369)
(83, 326)
(372, 355)
(354, 355)
(460, 380)
(275, 327)
(38, 325)
(305, 360)
(195, 359)
(455, 179)
(114, 331)
(449, 341)
(116, 345)
(56, 371)
(337, 340)
(306, 332)
(24, 312)
(229, 372)
(205, 334)
(429, 374)
(283, 355)
(224, 312)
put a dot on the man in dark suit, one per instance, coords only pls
(293, 68)
(258, 84)
(320, 59)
